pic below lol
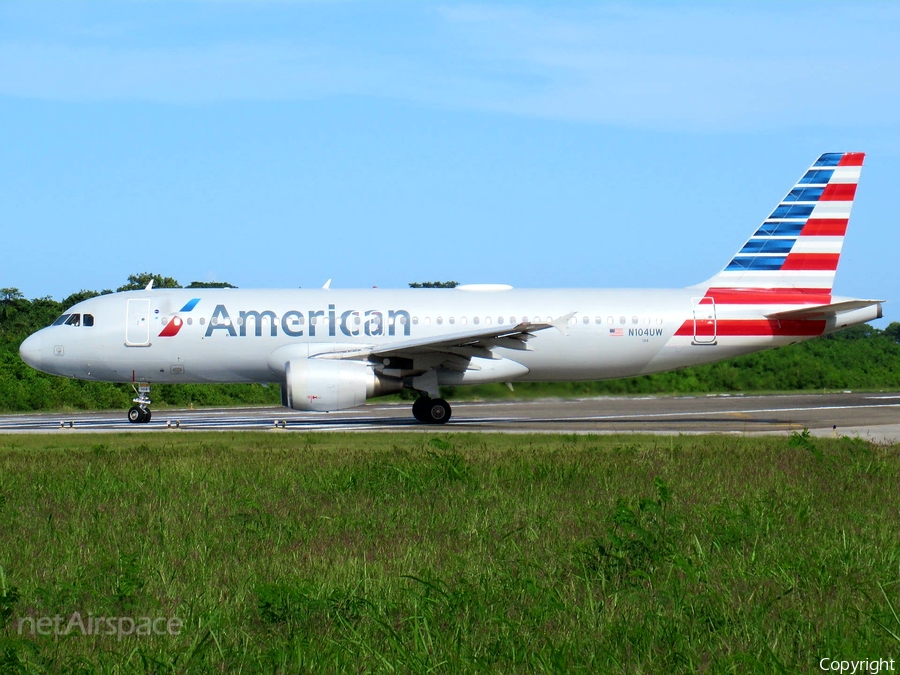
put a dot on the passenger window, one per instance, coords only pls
(598, 319)
(476, 320)
(586, 320)
(439, 320)
(74, 320)
(61, 320)
(451, 320)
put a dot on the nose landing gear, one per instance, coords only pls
(140, 412)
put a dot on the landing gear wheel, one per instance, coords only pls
(419, 408)
(437, 412)
(138, 415)
(140, 412)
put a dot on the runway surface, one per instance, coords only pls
(872, 416)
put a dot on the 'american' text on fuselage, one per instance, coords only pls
(351, 322)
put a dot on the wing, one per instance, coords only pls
(421, 358)
(471, 343)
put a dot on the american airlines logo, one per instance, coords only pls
(174, 325)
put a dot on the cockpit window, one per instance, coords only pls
(74, 320)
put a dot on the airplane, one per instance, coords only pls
(333, 349)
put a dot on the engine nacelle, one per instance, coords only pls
(323, 385)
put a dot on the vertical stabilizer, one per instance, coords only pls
(797, 248)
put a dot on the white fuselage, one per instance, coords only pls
(230, 335)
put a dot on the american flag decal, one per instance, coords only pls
(616, 332)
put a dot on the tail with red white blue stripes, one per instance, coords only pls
(797, 248)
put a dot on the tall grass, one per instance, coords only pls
(450, 553)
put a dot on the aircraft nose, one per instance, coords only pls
(30, 350)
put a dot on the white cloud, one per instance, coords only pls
(671, 66)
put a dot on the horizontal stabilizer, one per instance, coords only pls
(822, 311)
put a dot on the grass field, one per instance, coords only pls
(412, 553)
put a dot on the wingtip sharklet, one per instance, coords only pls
(562, 323)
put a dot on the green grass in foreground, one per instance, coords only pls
(436, 553)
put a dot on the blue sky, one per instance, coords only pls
(279, 144)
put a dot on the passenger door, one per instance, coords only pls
(137, 323)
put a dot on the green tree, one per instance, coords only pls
(210, 284)
(138, 282)
(80, 296)
(434, 284)
(893, 331)
(8, 296)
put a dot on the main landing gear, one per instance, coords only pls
(140, 412)
(431, 410)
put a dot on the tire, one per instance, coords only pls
(438, 411)
(420, 407)
(138, 415)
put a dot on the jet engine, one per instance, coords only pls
(323, 385)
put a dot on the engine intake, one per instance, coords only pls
(323, 385)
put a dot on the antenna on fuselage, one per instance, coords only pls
(149, 286)
(327, 285)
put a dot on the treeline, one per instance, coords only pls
(862, 357)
